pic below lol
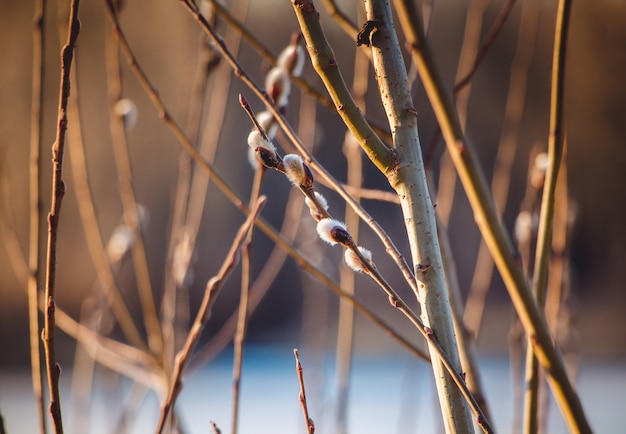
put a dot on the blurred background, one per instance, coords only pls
(165, 40)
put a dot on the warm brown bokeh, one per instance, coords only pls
(164, 37)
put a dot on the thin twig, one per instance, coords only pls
(83, 368)
(244, 299)
(310, 426)
(127, 195)
(174, 309)
(193, 193)
(505, 156)
(346, 24)
(125, 359)
(469, 60)
(560, 249)
(345, 321)
(58, 191)
(486, 45)
(222, 337)
(347, 278)
(370, 194)
(466, 342)
(214, 285)
(87, 211)
(558, 278)
(215, 428)
(546, 218)
(464, 81)
(36, 122)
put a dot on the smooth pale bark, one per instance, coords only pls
(409, 181)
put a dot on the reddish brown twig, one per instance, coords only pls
(310, 426)
(58, 190)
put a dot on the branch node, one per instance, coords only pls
(365, 35)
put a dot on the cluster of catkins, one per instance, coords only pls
(263, 152)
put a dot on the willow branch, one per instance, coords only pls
(244, 303)
(87, 211)
(501, 178)
(239, 203)
(370, 139)
(127, 193)
(302, 83)
(36, 122)
(58, 191)
(409, 180)
(310, 426)
(487, 42)
(345, 322)
(489, 223)
(546, 216)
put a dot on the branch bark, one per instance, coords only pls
(58, 191)
(488, 221)
(409, 181)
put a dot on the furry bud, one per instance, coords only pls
(256, 140)
(354, 262)
(292, 59)
(316, 213)
(268, 123)
(294, 169)
(278, 86)
(127, 110)
(333, 231)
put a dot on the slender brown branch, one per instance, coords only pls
(213, 287)
(36, 122)
(58, 191)
(501, 178)
(546, 221)
(127, 195)
(310, 426)
(174, 311)
(346, 24)
(215, 428)
(244, 301)
(486, 45)
(125, 359)
(193, 193)
(466, 342)
(87, 211)
(347, 278)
